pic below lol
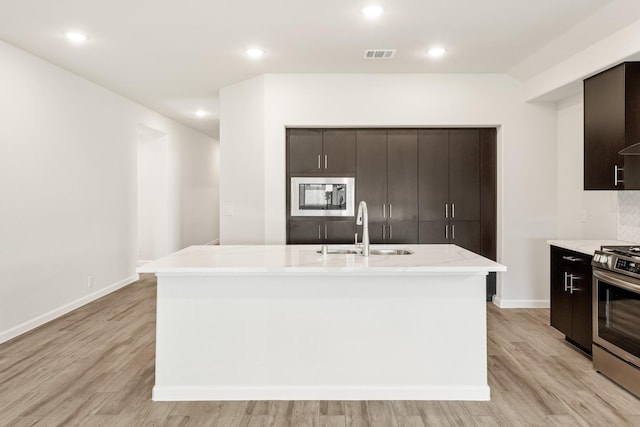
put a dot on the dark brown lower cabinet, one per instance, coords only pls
(436, 232)
(319, 231)
(462, 233)
(571, 304)
(396, 232)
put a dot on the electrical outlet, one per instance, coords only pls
(583, 215)
(90, 282)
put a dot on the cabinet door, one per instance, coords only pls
(403, 232)
(434, 232)
(466, 234)
(378, 233)
(339, 151)
(303, 232)
(464, 174)
(561, 304)
(305, 150)
(433, 157)
(340, 232)
(402, 163)
(604, 128)
(371, 172)
(581, 321)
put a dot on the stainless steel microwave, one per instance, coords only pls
(320, 196)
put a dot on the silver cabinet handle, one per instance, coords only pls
(390, 214)
(453, 232)
(390, 232)
(453, 210)
(446, 232)
(446, 210)
(384, 210)
(384, 234)
(325, 231)
(319, 235)
(318, 161)
(568, 282)
(325, 161)
(571, 258)
(617, 181)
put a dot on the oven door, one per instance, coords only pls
(616, 314)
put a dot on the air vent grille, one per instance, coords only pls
(379, 53)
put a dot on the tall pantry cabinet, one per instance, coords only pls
(387, 179)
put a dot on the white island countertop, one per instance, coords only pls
(304, 259)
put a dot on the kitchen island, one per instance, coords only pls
(286, 322)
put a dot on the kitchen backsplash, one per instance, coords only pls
(629, 216)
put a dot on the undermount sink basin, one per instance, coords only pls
(340, 251)
(373, 251)
(390, 252)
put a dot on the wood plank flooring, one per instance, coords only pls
(95, 367)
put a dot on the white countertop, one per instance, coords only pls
(303, 259)
(586, 246)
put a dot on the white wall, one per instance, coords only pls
(581, 214)
(199, 165)
(68, 189)
(242, 163)
(526, 151)
(157, 204)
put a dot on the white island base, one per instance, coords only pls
(361, 330)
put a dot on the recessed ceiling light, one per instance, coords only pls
(436, 52)
(76, 37)
(372, 11)
(255, 53)
(201, 113)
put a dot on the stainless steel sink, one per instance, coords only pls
(340, 251)
(390, 252)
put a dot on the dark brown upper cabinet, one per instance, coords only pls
(611, 123)
(371, 172)
(450, 187)
(322, 152)
(387, 179)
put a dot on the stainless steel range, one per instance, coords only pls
(616, 315)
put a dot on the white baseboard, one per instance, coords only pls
(214, 242)
(520, 303)
(54, 314)
(211, 393)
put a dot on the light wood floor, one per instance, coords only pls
(95, 366)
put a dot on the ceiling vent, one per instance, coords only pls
(379, 53)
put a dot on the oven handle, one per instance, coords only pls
(623, 282)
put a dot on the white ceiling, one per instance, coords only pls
(174, 56)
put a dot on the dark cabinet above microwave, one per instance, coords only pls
(611, 124)
(328, 152)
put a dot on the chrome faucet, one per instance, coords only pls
(363, 219)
